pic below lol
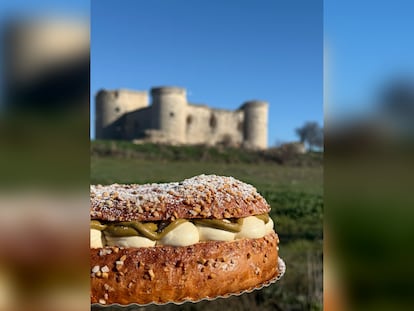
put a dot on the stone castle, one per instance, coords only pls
(127, 115)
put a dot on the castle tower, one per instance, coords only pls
(169, 112)
(255, 124)
(111, 106)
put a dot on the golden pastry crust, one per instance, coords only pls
(204, 196)
(164, 274)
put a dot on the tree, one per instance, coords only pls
(397, 103)
(311, 134)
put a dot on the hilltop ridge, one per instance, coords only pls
(219, 154)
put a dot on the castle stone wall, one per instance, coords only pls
(171, 119)
(111, 108)
(136, 122)
(213, 126)
(197, 124)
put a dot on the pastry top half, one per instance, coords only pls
(203, 196)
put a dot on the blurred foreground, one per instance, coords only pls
(369, 177)
(44, 163)
(369, 152)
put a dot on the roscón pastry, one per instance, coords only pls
(204, 237)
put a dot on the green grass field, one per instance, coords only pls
(265, 176)
(294, 192)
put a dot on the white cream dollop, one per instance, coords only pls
(96, 239)
(129, 241)
(252, 228)
(213, 234)
(182, 235)
(269, 226)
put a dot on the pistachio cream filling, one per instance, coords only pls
(180, 232)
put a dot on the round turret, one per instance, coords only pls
(169, 105)
(255, 124)
(105, 115)
(111, 106)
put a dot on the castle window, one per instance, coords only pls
(117, 109)
(213, 121)
(171, 114)
(240, 126)
(189, 119)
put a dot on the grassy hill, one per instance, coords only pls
(291, 183)
(148, 151)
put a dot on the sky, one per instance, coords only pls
(24, 8)
(223, 52)
(227, 52)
